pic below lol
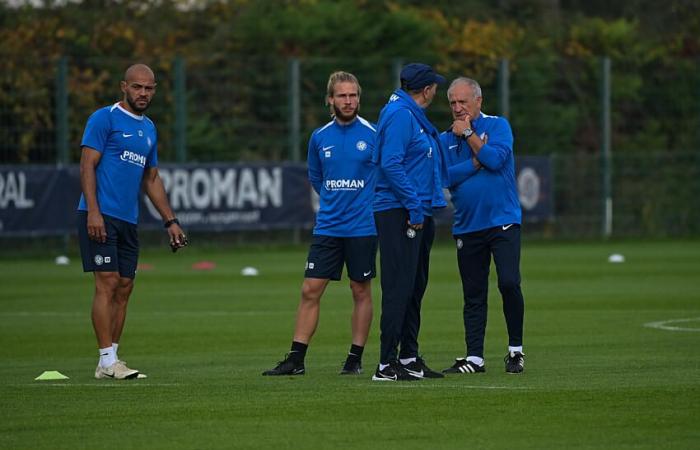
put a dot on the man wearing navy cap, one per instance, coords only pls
(409, 187)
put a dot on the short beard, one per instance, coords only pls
(135, 108)
(345, 118)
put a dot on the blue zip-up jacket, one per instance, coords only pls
(343, 173)
(411, 172)
(487, 197)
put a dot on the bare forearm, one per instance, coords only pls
(88, 184)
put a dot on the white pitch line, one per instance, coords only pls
(414, 385)
(127, 384)
(144, 313)
(664, 324)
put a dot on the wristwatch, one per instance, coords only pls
(468, 132)
(170, 222)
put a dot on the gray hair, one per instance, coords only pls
(468, 81)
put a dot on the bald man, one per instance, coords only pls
(119, 156)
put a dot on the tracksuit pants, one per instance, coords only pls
(404, 262)
(474, 252)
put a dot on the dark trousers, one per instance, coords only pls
(404, 261)
(474, 252)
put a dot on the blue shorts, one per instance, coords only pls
(119, 253)
(328, 254)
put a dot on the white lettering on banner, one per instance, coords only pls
(219, 218)
(203, 189)
(200, 188)
(13, 188)
(270, 187)
(247, 191)
(180, 199)
(223, 186)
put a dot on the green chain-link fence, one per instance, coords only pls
(245, 108)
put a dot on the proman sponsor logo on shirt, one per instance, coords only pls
(133, 158)
(344, 185)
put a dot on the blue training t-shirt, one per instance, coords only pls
(128, 144)
(342, 172)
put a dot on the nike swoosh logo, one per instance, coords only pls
(414, 373)
(328, 148)
(126, 135)
(505, 227)
(453, 146)
(384, 377)
(365, 274)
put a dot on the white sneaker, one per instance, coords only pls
(118, 371)
(141, 375)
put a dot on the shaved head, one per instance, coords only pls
(138, 71)
(138, 86)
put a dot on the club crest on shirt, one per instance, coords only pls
(140, 133)
(361, 146)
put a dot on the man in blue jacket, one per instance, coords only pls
(481, 178)
(409, 186)
(342, 171)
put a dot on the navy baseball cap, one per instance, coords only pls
(418, 75)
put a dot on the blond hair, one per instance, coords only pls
(341, 77)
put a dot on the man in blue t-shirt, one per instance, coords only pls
(119, 155)
(342, 172)
(481, 178)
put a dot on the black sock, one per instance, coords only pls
(355, 352)
(298, 351)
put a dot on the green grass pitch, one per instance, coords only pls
(595, 375)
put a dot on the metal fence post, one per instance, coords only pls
(504, 88)
(606, 151)
(180, 91)
(61, 111)
(294, 110)
(295, 123)
(396, 66)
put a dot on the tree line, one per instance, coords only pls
(236, 54)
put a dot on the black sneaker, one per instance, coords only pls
(461, 365)
(287, 367)
(351, 367)
(515, 362)
(427, 371)
(419, 369)
(393, 372)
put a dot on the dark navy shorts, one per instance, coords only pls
(119, 253)
(327, 255)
